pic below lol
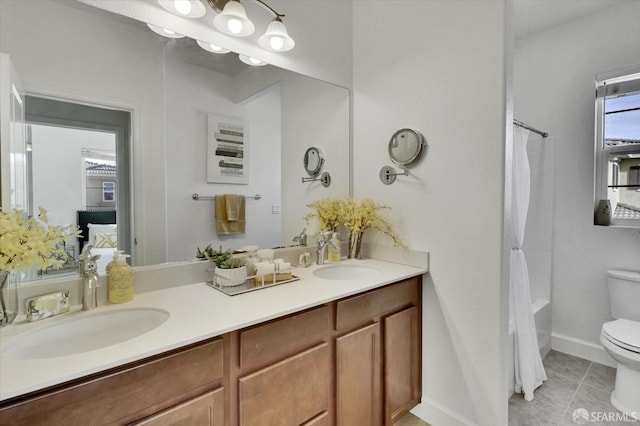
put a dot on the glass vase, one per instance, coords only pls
(355, 245)
(8, 298)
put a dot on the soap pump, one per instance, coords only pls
(335, 253)
(116, 254)
(120, 281)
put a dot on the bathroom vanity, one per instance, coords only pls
(313, 352)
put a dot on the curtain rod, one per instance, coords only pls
(533, 129)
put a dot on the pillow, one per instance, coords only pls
(100, 229)
(106, 240)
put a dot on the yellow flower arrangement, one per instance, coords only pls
(28, 242)
(356, 216)
(360, 216)
(328, 213)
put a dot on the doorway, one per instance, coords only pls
(78, 161)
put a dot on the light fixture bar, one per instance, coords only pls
(278, 15)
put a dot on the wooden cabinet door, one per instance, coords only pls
(402, 363)
(288, 393)
(358, 378)
(203, 410)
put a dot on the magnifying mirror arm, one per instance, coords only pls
(325, 179)
(388, 174)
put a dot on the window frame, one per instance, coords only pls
(609, 85)
(111, 190)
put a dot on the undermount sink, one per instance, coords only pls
(346, 272)
(85, 333)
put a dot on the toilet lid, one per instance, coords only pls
(623, 333)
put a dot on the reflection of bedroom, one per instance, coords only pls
(84, 166)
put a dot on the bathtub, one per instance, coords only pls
(542, 317)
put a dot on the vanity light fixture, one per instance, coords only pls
(254, 62)
(232, 20)
(186, 8)
(276, 37)
(164, 32)
(212, 47)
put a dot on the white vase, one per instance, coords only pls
(230, 277)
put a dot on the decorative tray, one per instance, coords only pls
(247, 286)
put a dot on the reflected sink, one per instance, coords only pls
(346, 272)
(86, 333)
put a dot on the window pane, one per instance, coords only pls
(622, 102)
(622, 120)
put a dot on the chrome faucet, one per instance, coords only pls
(301, 239)
(324, 239)
(90, 280)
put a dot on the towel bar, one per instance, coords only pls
(198, 197)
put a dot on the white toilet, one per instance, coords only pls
(621, 338)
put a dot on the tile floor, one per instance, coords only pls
(410, 420)
(572, 383)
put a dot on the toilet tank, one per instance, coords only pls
(624, 294)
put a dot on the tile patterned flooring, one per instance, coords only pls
(572, 383)
(410, 420)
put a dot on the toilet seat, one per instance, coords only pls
(623, 333)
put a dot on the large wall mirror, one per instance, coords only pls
(77, 54)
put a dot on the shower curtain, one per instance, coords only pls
(529, 372)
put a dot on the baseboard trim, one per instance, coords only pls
(581, 348)
(437, 414)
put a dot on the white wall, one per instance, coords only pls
(554, 72)
(439, 66)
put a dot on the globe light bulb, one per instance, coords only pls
(254, 60)
(276, 43)
(182, 6)
(215, 48)
(235, 26)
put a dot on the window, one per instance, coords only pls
(108, 191)
(634, 176)
(618, 144)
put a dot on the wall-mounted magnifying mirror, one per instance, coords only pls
(405, 148)
(313, 161)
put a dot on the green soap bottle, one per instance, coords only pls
(121, 281)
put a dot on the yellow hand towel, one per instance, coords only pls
(223, 224)
(232, 203)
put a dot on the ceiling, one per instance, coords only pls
(530, 16)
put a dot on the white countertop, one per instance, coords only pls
(197, 312)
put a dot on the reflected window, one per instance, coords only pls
(618, 144)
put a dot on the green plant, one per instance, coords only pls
(232, 263)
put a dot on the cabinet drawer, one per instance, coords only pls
(368, 306)
(203, 410)
(281, 338)
(141, 390)
(287, 393)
